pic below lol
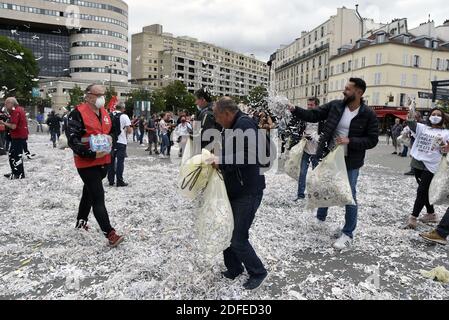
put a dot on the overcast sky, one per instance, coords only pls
(260, 26)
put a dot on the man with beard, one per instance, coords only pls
(351, 123)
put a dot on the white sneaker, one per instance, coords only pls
(344, 242)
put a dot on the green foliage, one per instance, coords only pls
(258, 98)
(76, 97)
(18, 69)
(178, 98)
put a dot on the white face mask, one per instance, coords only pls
(101, 101)
(435, 119)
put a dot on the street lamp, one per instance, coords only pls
(110, 75)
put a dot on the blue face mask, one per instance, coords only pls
(435, 119)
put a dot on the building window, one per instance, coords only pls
(379, 58)
(363, 62)
(403, 80)
(377, 78)
(376, 98)
(415, 80)
(437, 65)
(447, 65)
(316, 35)
(416, 61)
(405, 60)
(322, 32)
(349, 65)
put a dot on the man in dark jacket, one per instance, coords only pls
(54, 124)
(244, 184)
(354, 125)
(204, 119)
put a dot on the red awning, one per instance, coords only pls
(383, 112)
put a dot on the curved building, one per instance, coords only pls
(84, 40)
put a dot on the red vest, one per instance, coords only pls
(93, 127)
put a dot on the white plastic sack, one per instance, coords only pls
(215, 223)
(62, 143)
(439, 188)
(187, 151)
(194, 175)
(328, 185)
(293, 163)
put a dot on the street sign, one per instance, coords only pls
(429, 95)
(441, 83)
(36, 93)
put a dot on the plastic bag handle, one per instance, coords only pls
(194, 175)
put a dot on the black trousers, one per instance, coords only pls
(93, 197)
(16, 157)
(424, 178)
(241, 252)
(443, 227)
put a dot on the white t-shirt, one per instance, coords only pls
(427, 145)
(163, 127)
(344, 125)
(312, 145)
(124, 122)
(183, 129)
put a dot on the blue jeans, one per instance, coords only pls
(142, 134)
(241, 252)
(117, 166)
(305, 162)
(135, 135)
(443, 227)
(404, 151)
(165, 144)
(351, 210)
(54, 136)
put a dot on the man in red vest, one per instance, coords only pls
(91, 118)
(18, 127)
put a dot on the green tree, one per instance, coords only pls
(158, 101)
(76, 95)
(257, 98)
(178, 98)
(134, 96)
(41, 103)
(18, 70)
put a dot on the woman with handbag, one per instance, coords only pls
(426, 156)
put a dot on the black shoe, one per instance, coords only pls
(254, 282)
(14, 177)
(147, 149)
(394, 153)
(229, 275)
(31, 156)
(111, 184)
(8, 175)
(410, 173)
(121, 184)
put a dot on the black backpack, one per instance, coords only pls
(116, 127)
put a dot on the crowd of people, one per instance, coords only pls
(349, 123)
